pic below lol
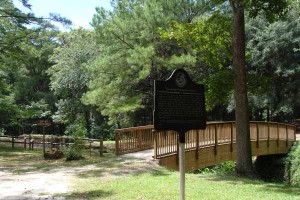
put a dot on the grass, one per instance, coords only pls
(116, 178)
(164, 184)
(21, 161)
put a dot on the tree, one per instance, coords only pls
(133, 55)
(25, 44)
(208, 41)
(272, 10)
(243, 148)
(69, 79)
(273, 53)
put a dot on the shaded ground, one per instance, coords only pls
(26, 180)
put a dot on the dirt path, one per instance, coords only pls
(39, 184)
(36, 185)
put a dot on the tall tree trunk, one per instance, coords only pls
(243, 152)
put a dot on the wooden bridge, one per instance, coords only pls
(208, 147)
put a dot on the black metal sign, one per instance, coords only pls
(179, 103)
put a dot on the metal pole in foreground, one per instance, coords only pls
(182, 164)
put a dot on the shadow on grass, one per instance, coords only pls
(234, 179)
(91, 173)
(160, 172)
(87, 195)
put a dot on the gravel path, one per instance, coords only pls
(44, 185)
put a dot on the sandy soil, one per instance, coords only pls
(48, 185)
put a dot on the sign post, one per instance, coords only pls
(44, 123)
(182, 164)
(179, 105)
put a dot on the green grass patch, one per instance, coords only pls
(164, 184)
(113, 177)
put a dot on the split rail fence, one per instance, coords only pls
(31, 142)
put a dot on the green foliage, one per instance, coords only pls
(26, 43)
(272, 9)
(272, 50)
(78, 132)
(218, 88)
(2, 131)
(292, 167)
(68, 75)
(133, 54)
(208, 37)
(220, 169)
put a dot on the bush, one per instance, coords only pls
(74, 151)
(54, 154)
(222, 168)
(292, 166)
(2, 131)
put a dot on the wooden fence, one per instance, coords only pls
(31, 142)
(165, 143)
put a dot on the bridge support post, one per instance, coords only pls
(117, 142)
(155, 143)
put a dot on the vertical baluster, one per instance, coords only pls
(197, 144)
(216, 140)
(117, 142)
(257, 136)
(277, 135)
(287, 136)
(268, 142)
(231, 136)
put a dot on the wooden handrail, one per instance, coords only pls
(130, 139)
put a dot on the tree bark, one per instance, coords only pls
(243, 144)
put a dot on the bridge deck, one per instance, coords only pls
(207, 147)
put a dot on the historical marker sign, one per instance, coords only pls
(179, 103)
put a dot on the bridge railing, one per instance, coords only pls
(217, 133)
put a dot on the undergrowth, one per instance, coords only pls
(220, 169)
(292, 167)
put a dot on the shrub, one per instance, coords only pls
(222, 168)
(54, 154)
(292, 166)
(2, 131)
(74, 151)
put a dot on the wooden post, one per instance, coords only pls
(268, 142)
(139, 136)
(51, 144)
(277, 135)
(231, 137)
(177, 154)
(257, 136)
(287, 136)
(90, 148)
(44, 145)
(25, 143)
(197, 144)
(12, 142)
(117, 142)
(101, 145)
(216, 140)
(31, 144)
(295, 130)
(155, 143)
